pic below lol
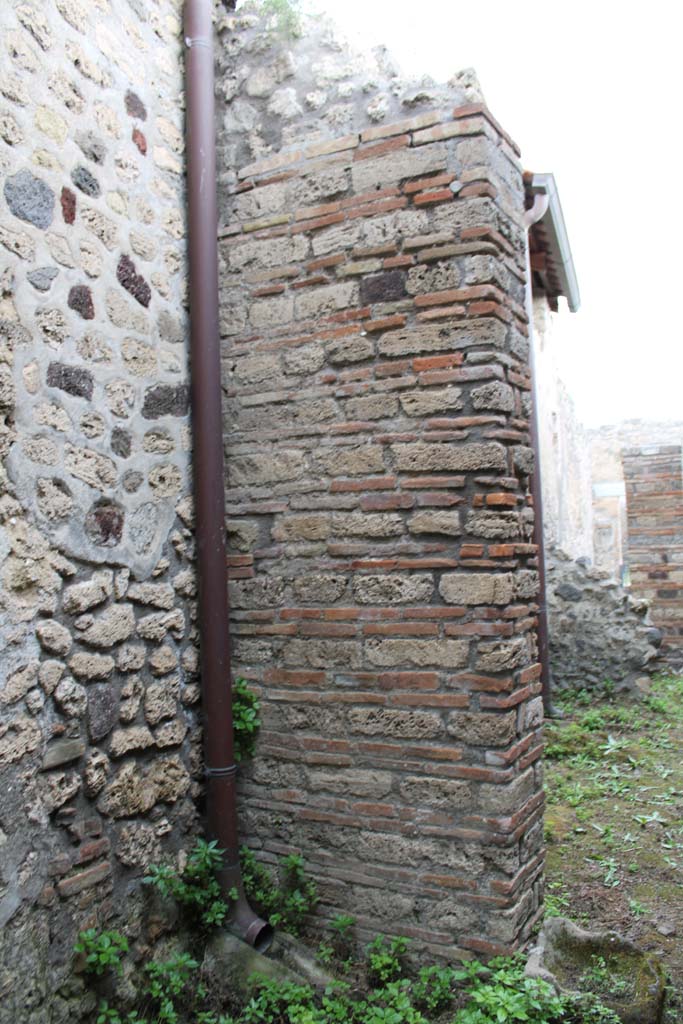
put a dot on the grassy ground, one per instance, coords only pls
(614, 819)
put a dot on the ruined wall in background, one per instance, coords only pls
(654, 506)
(609, 495)
(383, 584)
(97, 673)
(565, 451)
(599, 632)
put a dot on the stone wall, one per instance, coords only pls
(98, 670)
(654, 505)
(599, 632)
(376, 380)
(609, 495)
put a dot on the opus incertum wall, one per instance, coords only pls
(97, 666)
(654, 507)
(376, 431)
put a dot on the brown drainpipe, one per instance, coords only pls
(531, 217)
(209, 495)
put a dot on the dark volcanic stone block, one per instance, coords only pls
(104, 523)
(80, 300)
(166, 400)
(42, 278)
(134, 106)
(68, 201)
(383, 287)
(102, 712)
(133, 282)
(120, 442)
(30, 199)
(87, 182)
(75, 380)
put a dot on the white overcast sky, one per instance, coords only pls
(592, 92)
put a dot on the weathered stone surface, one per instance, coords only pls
(266, 592)
(353, 349)
(430, 401)
(91, 666)
(171, 778)
(125, 741)
(322, 653)
(397, 724)
(416, 340)
(471, 588)
(158, 595)
(479, 729)
(265, 468)
(80, 597)
(163, 660)
(95, 772)
(19, 736)
(493, 525)
(71, 698)
(503, 656)
(438, 521)
(372, 407)
(445, 794)
(170, 734)
(138, 845)
(156, 626)
(421, 456)
(495, 395)
(111, 627)
(358, 524)
(18, 684)
(129, 793)
(30, 199)
(319, 588)
(90, 466)
(441, 653)
(391, 588)
(311, 526)
(161, 700)
(49, 675)
(53, 637)
(349, 461)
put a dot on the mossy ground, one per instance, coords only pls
(614, 819)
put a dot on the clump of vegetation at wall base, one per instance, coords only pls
(102, 950)
(384, 960)
(245, 719)
(196, 888)
(285, 905)
(471, 993)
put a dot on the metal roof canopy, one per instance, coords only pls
(549, 236)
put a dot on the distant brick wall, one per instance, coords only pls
(375, 368)
(654, 503)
